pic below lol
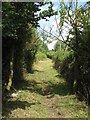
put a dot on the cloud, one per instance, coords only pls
(47, 28)
(51, 45)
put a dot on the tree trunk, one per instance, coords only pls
(89, 95)
(77, 70)
(11, 69)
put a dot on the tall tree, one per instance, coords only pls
(15, 20)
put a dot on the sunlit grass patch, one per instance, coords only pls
(43, 94)
(72, 107)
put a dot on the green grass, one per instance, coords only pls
(44, 95)
(72, 107)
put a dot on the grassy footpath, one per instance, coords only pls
(44, 95)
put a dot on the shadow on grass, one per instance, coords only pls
(33, 71)
(12, 105)
(45, 88)
(61, 89)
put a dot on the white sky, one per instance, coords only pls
(52, 23)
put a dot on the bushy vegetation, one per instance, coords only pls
(19, 40)
(50, 54)
(60, 56)
(72, 62)
(31, 47)
(64, 64)
(21, 44)
(42, 50)
(40, 56)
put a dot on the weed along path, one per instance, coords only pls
(44, 95)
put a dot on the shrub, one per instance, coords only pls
(40, 56)
(50, 54)
(64, 64)
(29, 59)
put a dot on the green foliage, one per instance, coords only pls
(75, 66)
(17, 15)
(50, 54)
(18, 20)
(61, 54)
(40, 56)
(16, 31)
(31, 47)
(42, 47)
(64, 63)
(59, 46)
(48, 13)
(43, 43)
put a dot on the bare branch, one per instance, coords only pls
(60, 39)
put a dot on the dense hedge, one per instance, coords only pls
(64, 63)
